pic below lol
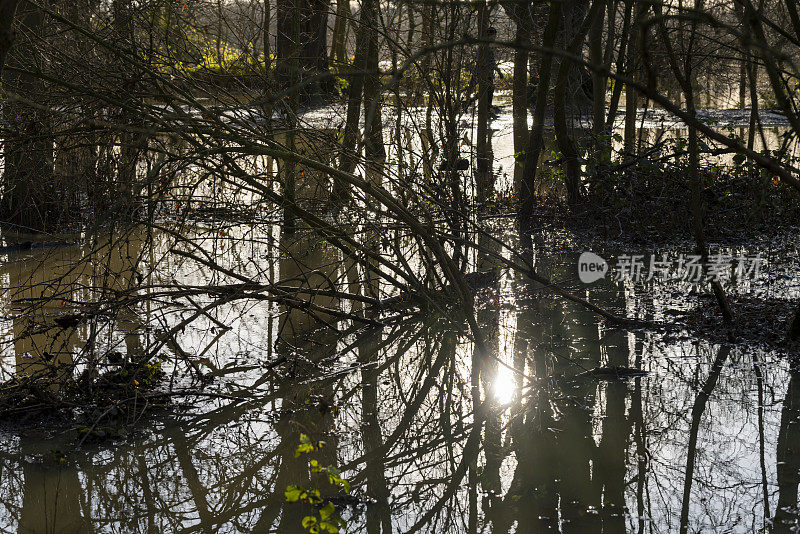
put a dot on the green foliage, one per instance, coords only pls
(192, 52)
(326, 520)
(298, 494)
(334, 475)
(342, 84)
(223, 60)
(306, 446)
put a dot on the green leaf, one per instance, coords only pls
(308, 521)
(326, 511)
(330, 527)
(293, 493)
(334, 471)
(305, 446)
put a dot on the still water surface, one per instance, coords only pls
(707, 439)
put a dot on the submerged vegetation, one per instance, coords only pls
(399, 267)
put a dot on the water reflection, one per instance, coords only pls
(434, 437)
(787, 513)
(55, 297)
(51, 494)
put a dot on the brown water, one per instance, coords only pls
(557, 450)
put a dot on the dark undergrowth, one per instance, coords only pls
(651, 205)
(97, 404)
(757, 322)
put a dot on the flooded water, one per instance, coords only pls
(535, 436)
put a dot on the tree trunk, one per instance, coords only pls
(519, 99)
(30, 198)
(355, 93)
(620, 62)
(527, 199)
(562, 123)
(7, 10)
(373, 122)
(302, 45)
(599, 81)
(484, 79)
(685, 79)
(265, 36)
(629, 142)
(338, 56)
(794, 328)
(130, 142)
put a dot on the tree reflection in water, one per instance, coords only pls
(556, 449)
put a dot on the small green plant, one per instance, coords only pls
(342, 84)
(326, 520)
